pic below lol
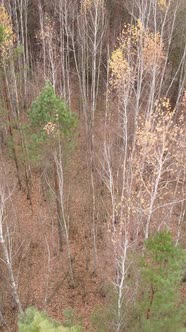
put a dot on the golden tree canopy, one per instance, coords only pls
(6, 31)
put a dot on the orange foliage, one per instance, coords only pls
(135, 43)
(6, 31)
(153, 53)
(162, 4)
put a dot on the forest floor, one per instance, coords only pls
(42, 271)
(40, 268)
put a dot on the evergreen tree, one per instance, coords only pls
(160, 307)
(49, 120)
(35, 321)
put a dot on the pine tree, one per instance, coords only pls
(35, 321)
(160, 307)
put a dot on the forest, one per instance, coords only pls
(93, 165)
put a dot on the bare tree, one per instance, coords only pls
(88, 56)
(4, 241)
(140, 158)
(64, 221)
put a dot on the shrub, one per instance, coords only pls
(35, 321)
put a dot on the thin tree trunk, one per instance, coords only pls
(58, 208)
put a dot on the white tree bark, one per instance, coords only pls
(6, 254)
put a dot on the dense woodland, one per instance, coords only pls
(92, 165)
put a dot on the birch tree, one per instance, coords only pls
(139, 169)
(6, 248)
(88, 58)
